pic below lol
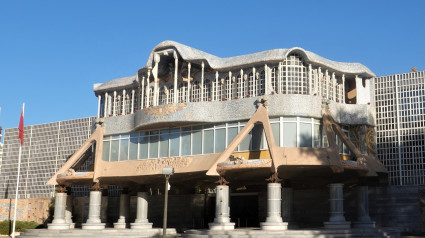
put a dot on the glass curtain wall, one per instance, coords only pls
(212, 138)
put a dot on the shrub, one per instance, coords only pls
(21, 226)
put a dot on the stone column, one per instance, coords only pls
(124, 212)
(68, 212)
(202, 81)
(222, 210)
(59, 222)
(176, 67)
(142, 221)
(274, 212)
(93, 222)
(105, 108)
(337, 219)
(363, 219)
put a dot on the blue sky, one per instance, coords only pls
(52, 52)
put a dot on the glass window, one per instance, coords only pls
(105, 151)
(289, 134)
(153, 146)
(304, 119)
(244, 145)
(134, 142)
(233, 123)
(208, 141)
(232, 132)
(289, 118)
(185, 143)
(306, 135)
(114, 150)
(163, 145)
(220, 140)
(257, 137)
(276, 133)
(197, 142)
(124, 149)
(143, 147)
(174, 144)
(317, 136)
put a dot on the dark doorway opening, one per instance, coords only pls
(244, 210)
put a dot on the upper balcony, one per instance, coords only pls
(176, 74)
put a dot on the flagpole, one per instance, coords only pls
(17, 181)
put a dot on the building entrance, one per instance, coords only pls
(243, 209)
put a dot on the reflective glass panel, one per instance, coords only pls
(163, 145)
(257, 137)
(276, 133)
(185, 143)
(220, 140)
(134, 142)
(305, 135)
(124, 149)
(114, 150)
(143, 147)
(208, 141)
(174, 144)
(153, 146)
(289, 134)
(197, 143)
(105, 151)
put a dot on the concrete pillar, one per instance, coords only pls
(189, 65)
(222, 210)
(59, 222)
(99, 98)
(142, 221)
(337, 219)
(363, 218)
(93, 222)
(124, 212)
(176, 67)
(274, 211)
(105, 109)
(202, 81)
(142, 93)
(68, 212)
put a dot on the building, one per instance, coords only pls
(287, 115)
(47, 147)
(400, 115)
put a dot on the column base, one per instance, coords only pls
(221, 226)
(120, 225)
(141, 225)
(274, 226)
(93, 226)
(58, 226)
(337, 225)
(71, 225)
(362, 224)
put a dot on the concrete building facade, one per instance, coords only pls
(400, 115)
(280, 118)
(47, 147)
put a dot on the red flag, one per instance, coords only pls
(21, 127)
